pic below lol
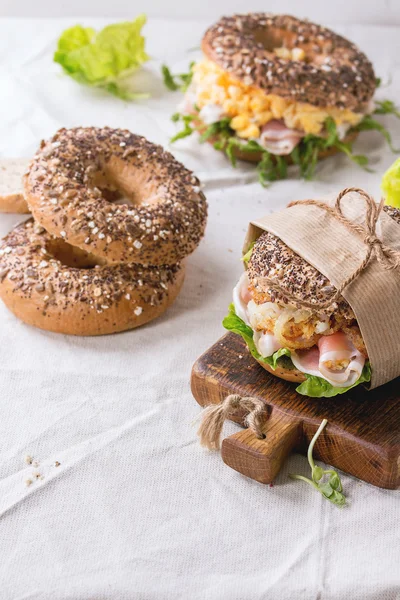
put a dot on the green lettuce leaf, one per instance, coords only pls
(246, 257)
(235, 324)
(315, 387)
(181, 81)
(391, 184)
(104, 59)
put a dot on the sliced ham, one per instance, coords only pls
(339, 360)
(241, 298)
(335, 359)
(279, 139)
(266, 343)
(307, 361)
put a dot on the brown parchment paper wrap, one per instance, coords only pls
(336, 252)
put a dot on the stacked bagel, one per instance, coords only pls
(86, 264)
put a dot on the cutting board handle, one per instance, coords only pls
(261, 459)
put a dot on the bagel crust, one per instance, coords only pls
(334, 73)
(49, 284)
(272, 258)
(73, 177)
(293, 375)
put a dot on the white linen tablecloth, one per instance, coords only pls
(136, 508)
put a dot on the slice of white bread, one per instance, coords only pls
(11, 194)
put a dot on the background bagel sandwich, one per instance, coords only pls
(276, 90)
(323, 351)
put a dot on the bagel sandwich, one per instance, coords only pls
(323, 351)
(275, 90)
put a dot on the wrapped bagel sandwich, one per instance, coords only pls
(276, 90)
(317, 303)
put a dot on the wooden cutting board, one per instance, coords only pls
(362, 436)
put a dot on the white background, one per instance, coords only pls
(339, 11)
(137, 510)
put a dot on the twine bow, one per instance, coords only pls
(214, 416)
(386, 256)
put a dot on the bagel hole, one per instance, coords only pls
(115, 196)
(270, 39)
(274, 40)
(136, 185)
(71, 256)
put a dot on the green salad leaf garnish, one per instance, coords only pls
(370, 124)
(104, 59)
(188, 128)
(325, 481)
(386, 107)
(271, 167)
(246, 257)
(391, 184)
(315, 387)
(180, 81)
(232, 322)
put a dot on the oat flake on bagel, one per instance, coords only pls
(51, 285)
(74, 177)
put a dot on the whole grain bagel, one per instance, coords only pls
(271, 257)
(334, 73)
(52, 285)
(75, 176)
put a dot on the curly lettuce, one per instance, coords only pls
(104, 59)
(235, 324)
(315, 387)
(391, 184)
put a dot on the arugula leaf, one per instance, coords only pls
(104, 59)
(187, 127)
(317, 387)
(368, 124)
(378, 82)
(331, 489)
(386, 107)
(219, 128)
(305, 155)
(181, 81)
